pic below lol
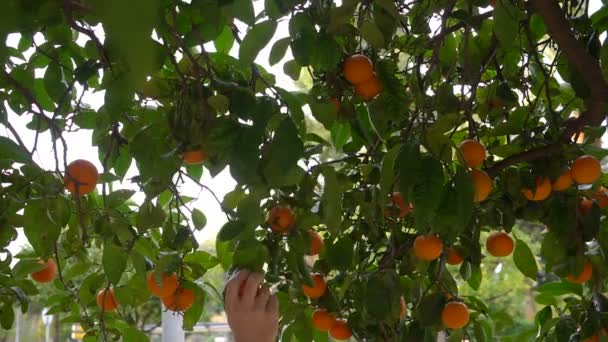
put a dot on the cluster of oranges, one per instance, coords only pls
(474, 154)
(359, 71)
(321, 318)
(174, 297)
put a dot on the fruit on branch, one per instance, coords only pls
(584, 276)
(601, 197)
(563, 182)
(181, 300)
(47, 274)
(194, 157)
(318, 289)
(369, 89)
(323, 320)
(455, 315)
(281, 219)
(586, 169)
(358, 69)
(168, 286)
(316, 243)
(500, 244)
(473, 152)
(541, 192)
(81, 177)
(403, 308)
(106, 300)
(427, 247)
(340, 330)
(454, 257)
(397, 206)
(482, 184)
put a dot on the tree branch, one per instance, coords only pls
(585, 64)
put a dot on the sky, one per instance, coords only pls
(80, 143)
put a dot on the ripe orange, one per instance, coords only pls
(340, 330)
(323, 320)
(398, 203)
(563, 182)
(106, 300)
(427, 247)
(473, 152)
(585, 275)
(585, 205)
(369, 89)
(358, 69)
(316, 243)
(601, 197)
(318, 289)
(454, 257)
(48, 273)
(81, 177)
(500, 244)
(169, 285)
(455, 315)
(586, 170)
(403, 310)
(194, 157)
(542, 191)
(281, 219)
(482, 183)
(181, 300)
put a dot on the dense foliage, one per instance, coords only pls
(524, 78)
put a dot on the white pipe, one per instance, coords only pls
(172, 326)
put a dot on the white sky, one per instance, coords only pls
(80, 144)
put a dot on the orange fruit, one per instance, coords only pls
(318, 289)
(397, 202)
(542, 191)
(597, 337)
(340, 330)
(194, 157)
(585, 205)
(427, 247)
(323, 320)
(455, 315)
(586, 169)
(106, 300)
(48, 273)
(280, 219)
(181, 300)
(369, 89)
(563, 182)
(403, 310)
(81, 177)
(316, 243)
(482, 183)
(601, 197)
(500, 244)
(454, 257)
(585, 275)
(473, 152)
(169, 285)
(358, 69)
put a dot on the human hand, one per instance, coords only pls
(253, 312)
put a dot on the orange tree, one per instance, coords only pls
(451, 118)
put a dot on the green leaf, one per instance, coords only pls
(285, 151)
(204, 259)
(256, 39)
(11, 151)
(243, 10)
(129, 333)
(340, 133)
(230, 230)
(560, 288)
(278, 51)
(292, 69)
(223, 43)
(114, 260)
(119, 197)
(408, 164)
(331, 202)
(372, 34)
(524, 259)
(387, 173)
(193, 314)
(149, 216)
(24, 267)
(40, 230)
(340, 254)
(429, 309)
(427, 191)
(198, 219)
(506, 23)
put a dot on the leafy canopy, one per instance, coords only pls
(521, 77)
